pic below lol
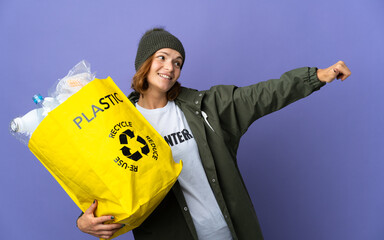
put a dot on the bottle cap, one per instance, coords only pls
(15, 125)
(37, 98)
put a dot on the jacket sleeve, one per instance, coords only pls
(238, 107)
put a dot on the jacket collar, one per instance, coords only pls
(134, 97)
(188, 96)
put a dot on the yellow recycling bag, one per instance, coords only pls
(98, 146)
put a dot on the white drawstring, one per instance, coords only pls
(205, 116)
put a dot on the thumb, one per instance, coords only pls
(337, 73)
(92, 208)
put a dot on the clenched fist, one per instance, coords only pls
(338, 70)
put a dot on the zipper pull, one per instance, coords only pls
(205, 116)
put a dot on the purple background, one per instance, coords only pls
(314, 170)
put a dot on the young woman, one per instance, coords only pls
(209, 200)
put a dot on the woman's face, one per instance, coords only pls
(165, 70)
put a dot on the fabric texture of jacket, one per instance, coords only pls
(218, 117)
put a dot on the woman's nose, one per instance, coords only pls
(168, 66)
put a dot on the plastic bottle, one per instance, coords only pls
(23, 127)
(47, 104)
(27, 123)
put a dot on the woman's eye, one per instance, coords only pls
(178, 64)
(161, 57)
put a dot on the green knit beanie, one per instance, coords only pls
(154, 40)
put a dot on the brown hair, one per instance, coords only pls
(140, 83)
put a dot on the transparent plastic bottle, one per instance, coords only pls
(47, 104)
(23, 127)
(27, 123)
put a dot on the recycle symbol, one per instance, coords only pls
(129, 135)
